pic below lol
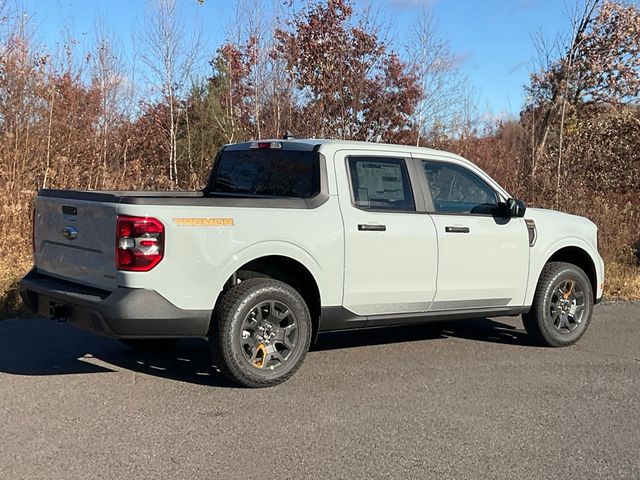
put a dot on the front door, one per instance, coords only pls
(390, 249)
(483, 258)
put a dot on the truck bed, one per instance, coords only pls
(197, 198)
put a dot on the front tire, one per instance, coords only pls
(562, 306)
(260, 333)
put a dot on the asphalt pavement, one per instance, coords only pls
(470, 399)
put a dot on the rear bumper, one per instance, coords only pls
(122, 313)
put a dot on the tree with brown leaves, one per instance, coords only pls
(351, 86)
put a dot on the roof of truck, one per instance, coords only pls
(315, 143)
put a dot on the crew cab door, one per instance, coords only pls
(390, 249)
(483, 258)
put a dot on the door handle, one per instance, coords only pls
(456, 229)
(365, 227)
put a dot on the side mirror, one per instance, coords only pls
(515, 207)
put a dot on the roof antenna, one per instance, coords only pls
(288, 136)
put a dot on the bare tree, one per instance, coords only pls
(258, 46)
(559, 80)
(443, 100)
(546, 52)
(108, 79)
(5, 27)
(170, 54)
(582, 18)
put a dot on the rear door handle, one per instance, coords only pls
(456, 229)
(365, 227)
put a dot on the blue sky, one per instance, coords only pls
(491, 38)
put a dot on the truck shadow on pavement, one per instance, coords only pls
(39, 347)
(480, 329)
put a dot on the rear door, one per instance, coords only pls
(75, 240)
(483, 259)
(390, 249)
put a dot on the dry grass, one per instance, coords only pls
(15, 248)
(622, 282)
(618, 223)
(10, 303)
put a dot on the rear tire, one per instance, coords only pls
(260, 332)
(562, 306)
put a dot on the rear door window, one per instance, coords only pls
(381, 183)
(267, 173)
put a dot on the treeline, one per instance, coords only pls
(322, 69)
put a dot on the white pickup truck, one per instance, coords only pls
(295, 237)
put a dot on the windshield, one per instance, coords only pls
(267, 172)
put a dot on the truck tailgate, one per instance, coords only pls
(75, 240)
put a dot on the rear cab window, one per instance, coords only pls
(266, 172)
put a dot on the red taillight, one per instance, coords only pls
(139, 243)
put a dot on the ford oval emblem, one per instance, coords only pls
(70, 233)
